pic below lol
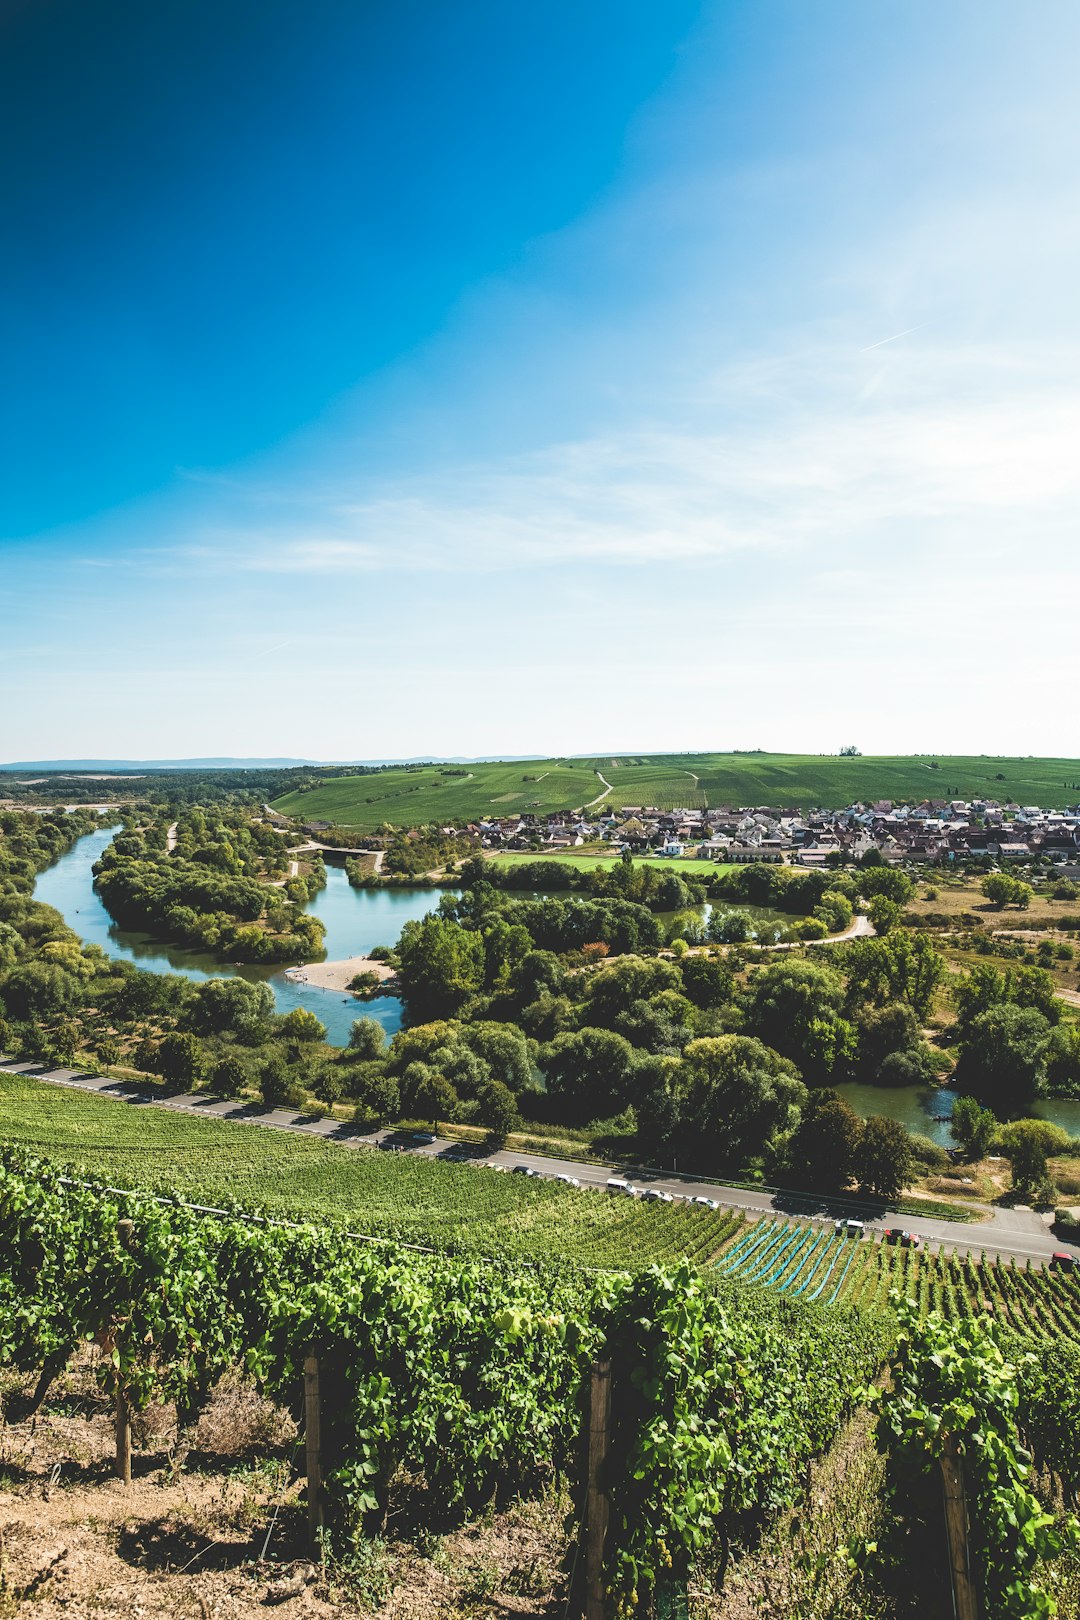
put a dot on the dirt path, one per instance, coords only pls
(860, 927)
(608, 788)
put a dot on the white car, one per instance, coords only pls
(617, 1185)
(705, 1203)
(568, 1181)
(654, 1195)
(853, 1229)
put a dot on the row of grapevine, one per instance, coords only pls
(953, 1399)
(803, 1260)
(470, 1374)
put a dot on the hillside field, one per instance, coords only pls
(300, 1178)
(406, 795)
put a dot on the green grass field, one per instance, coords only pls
(407, 795)
(588, 863)
(302, 1178)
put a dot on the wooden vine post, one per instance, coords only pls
(964, 1591)
(313, 1450)
(597, 1506)
(125, 1231)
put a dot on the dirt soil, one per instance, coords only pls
(187, 1538)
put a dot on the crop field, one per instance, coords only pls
(409, 794)
(588, 863)
(406, 795)
(301, 1178)
(804, 1261)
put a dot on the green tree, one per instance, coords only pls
(707, 981)
(505, 1051)
(432, 1098)
(886, 882)
(367, 1039)
(279, 1086)
(442, 965)
(301, 1025)
(1024, 1145)
(620, 985)
(821, 1151)
(835, 911)
(794, 1007)
(1003, 1057)
(972, 1128)
(40, 990)
(229, 1076)
(883, 1158)
(181, 1059)
(107, 1050)
(1002, 889)
(884, 913)
(882, 1030)
(1063, 1062)
(591, 1072)
(497, 1109)
(727, 1099)
(901, 967)
(231, 1006)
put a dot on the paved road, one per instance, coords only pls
(1016, 1234)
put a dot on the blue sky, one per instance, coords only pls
(411, 378)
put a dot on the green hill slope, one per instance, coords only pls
(406, 795)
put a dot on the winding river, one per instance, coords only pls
(355, 921)
(358, 919)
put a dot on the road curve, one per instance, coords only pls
(1011, 1234)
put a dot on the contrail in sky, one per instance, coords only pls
(894, 337)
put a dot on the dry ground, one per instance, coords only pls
(186, 1540)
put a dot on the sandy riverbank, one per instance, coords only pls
(336, 975)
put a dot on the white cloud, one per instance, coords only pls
(964, 448)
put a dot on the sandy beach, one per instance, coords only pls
(336, 975)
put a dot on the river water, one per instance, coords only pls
(358, 919)
(355, 921)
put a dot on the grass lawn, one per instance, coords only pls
(585, 860)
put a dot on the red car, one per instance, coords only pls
(906, 1240)
(1062, 1261)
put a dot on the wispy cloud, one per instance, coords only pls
(967, 445)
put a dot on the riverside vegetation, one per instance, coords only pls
(465, 1380)
(565, 1011)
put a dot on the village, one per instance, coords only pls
(935, 830)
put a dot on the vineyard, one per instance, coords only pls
(704, 1409)
(473, 1375)
(801, 1260)
(407, 795)
(398, 1196)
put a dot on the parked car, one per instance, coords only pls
(423, 1138)
(706, 1203)
(850, 1228)
(1060, 1261)
(655, 1195)
(617, 1185)
(525, 1170)
(906, 1240)
(568, 1181)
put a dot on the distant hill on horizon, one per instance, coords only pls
(226, 762)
